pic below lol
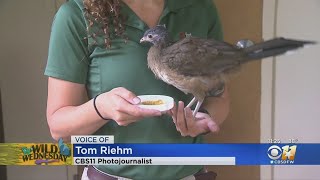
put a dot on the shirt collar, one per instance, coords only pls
(176, 5)
(173, 5)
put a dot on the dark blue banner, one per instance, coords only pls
(245, 154)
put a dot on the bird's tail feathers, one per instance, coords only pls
(273, 47)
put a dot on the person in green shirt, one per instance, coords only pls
(96, 68)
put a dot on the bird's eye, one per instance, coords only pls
(149, 36)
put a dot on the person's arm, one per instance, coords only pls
(218, 107)
(70, 113)
(68, 110)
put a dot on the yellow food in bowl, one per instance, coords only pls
(156, 102)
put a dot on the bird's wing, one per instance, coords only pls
(193, 56)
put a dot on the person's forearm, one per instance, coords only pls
(218, 107)
(75, 120)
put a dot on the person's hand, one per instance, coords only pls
(188, 125)
(120, 105)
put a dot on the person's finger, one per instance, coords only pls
(200, 116)
(189, 118)
(123, 106)
(147, 112)
(202, 126)
(181, 121)
(169, 113)
(174, 113)
(127, 95)
(123, 119)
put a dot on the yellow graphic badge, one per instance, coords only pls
(36, 154)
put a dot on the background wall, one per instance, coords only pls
(241, 20)
(291, 84)
(25, 29)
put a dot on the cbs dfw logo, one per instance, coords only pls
(283, 155)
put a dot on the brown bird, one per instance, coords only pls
(199, 66)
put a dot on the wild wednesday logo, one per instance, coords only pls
(36, 154)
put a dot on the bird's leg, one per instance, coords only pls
(191, 102)
(199, 103)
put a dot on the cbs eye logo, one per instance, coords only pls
(286, 152)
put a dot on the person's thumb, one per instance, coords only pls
(213, 127)
(127, 95)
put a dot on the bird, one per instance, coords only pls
(26, 151)
(200, 66)
(64, 149)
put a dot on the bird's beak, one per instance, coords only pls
(142, 40)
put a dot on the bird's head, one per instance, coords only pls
(156, 36)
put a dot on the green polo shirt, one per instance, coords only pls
(76, 59)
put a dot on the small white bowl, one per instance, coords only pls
(168, 102)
